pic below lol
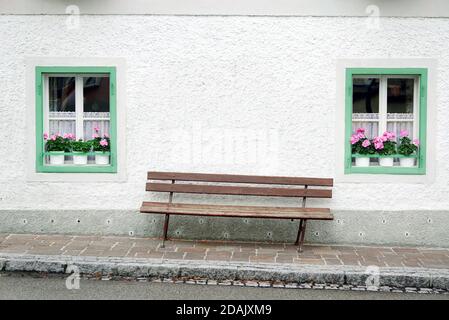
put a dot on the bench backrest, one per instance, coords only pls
(304, 191)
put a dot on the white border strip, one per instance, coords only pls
(358, 8)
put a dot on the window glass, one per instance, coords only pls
(95, 106)
(365, 95)
(96, 94)
(400, 95)
(365, 102)
(61, 94)
(400, 98)
(61, 104)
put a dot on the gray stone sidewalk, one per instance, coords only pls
(117, 257)
(234, 273)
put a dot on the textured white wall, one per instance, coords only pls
(270, 79)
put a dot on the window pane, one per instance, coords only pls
(61, 94)
(96, 94)
(365, 97)
(365, 105)
(400, 105)
(400, 96)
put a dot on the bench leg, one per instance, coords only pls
(299, 232)
(164, 237)
(303, 233)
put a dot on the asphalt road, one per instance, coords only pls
(19, 286)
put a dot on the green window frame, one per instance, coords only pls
(41, 71)
(420, 169)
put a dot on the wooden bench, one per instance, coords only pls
(301, 213)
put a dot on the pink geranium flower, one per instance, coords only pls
(96, 129)
(45, 136)
(379, 142)
(360, 133)
(95, 136)
(379, 145)
(388, 136)
(366, 143)
(416, 142)
(403, 133)
(103, 142)
(354, 139)
(53, 137)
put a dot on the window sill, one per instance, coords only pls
(356, 155)
(376, 169)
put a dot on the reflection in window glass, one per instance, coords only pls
(400, 95)
(400, 106)
(96, 94)
(95, 106)
(61, 94)
(366, 105)
(365, 97)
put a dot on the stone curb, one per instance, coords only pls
(288, 273)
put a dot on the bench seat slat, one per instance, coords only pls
(231, 178)
(233, 190)
(236, 211)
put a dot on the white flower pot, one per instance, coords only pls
(101, 158)
(386, 162)
(362, 162)
(57, 158)
(407, 162)
(79, 158)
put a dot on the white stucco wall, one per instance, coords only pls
(270, 78)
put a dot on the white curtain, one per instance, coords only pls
(401, 121)
(371, 128)
(370, 123)
(62, 127)
(397, 126)
(395, 123)
(89, 126)
(65, 122)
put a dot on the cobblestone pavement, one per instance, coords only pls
(249, 252)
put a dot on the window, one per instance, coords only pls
(79, 102)
(380, 100)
